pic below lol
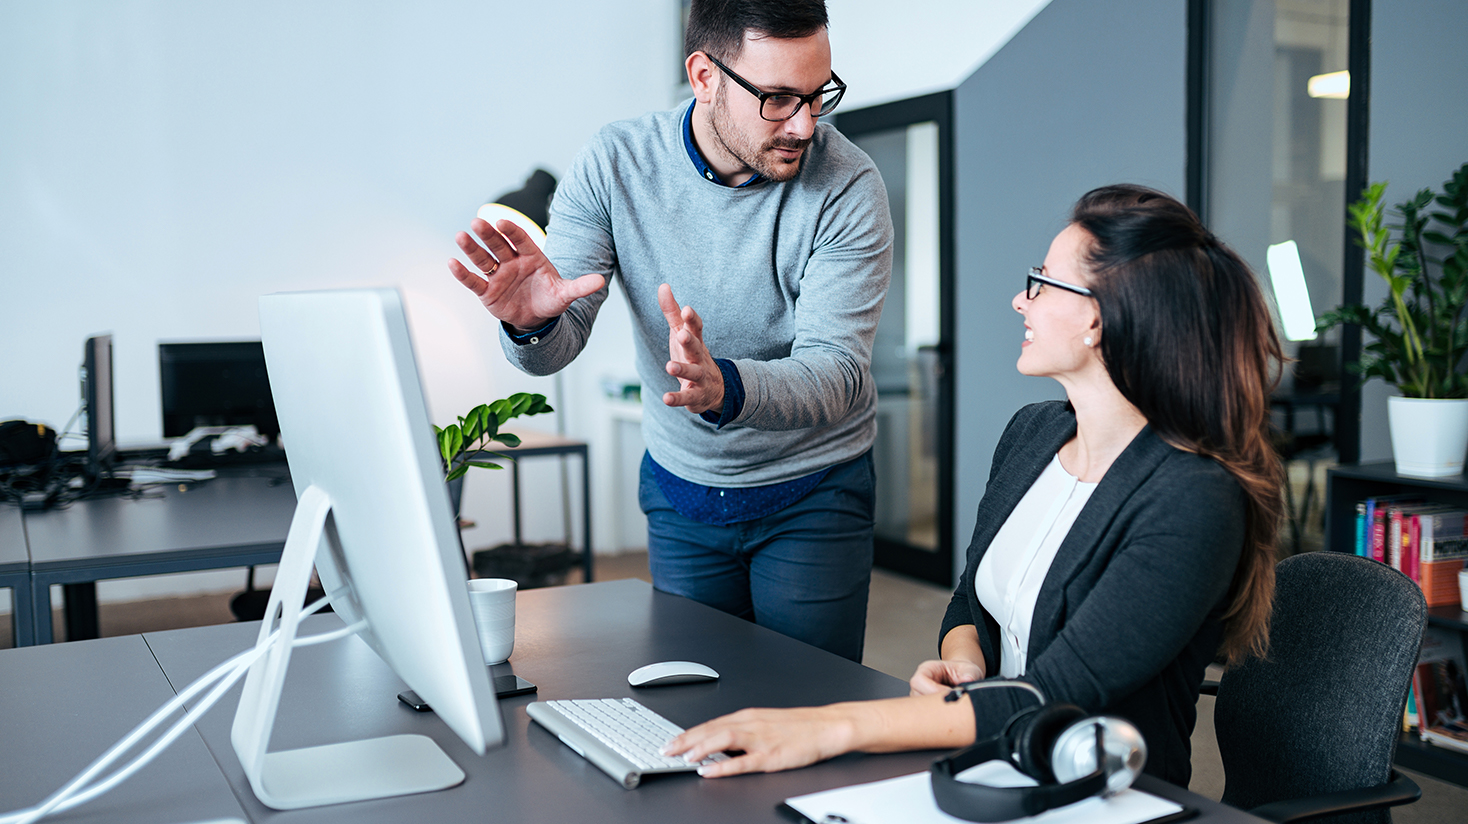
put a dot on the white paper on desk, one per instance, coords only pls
(909, 800)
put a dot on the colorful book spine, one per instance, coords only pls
(1370, 550)
(1378, 535)
(1394, 538)
(1441, 549)
(1361, 529)
(1411, 538)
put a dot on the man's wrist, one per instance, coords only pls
(528, 330)
(522, 337)
(731, 399)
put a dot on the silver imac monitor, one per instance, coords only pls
(373, 515)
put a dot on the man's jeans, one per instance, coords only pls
(803, 571)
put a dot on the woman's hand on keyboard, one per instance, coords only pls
(771, 740)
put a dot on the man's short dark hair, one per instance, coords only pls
(717, 27)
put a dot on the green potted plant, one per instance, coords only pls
(1420, 331)
(462, 445)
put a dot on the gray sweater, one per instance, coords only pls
(789, 279)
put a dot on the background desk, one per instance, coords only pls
(237, 519)
(535, 444)
(15, 573)
(574, 642)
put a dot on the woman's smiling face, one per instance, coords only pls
(1057, 321)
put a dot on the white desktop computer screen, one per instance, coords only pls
(373, 513)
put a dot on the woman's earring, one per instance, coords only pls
(1089, 342)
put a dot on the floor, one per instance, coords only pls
(902, 631)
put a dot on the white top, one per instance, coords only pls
(1008, 579)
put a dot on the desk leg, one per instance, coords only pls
(586, 513)
(22, 617)
(81, 611)
(515, 500)
(40, 611)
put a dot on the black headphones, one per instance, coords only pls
(1058, 745)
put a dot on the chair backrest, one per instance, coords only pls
(1323, 712)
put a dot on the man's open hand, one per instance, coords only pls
(700, 383)
(515, 281)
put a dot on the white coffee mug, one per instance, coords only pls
(1463, 589)
(493, 603)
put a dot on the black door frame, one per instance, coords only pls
(936, 567)
(1358, 155)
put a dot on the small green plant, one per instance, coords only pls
(459, 443)
(1420, 330)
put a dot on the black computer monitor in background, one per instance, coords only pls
(96, 378)
(215, 384)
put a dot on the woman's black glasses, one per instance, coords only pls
(1038, 280)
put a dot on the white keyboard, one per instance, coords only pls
(618, 735)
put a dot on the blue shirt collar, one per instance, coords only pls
(703, 168)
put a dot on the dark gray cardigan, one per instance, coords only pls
(1129, 613)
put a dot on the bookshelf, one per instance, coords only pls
(1344, 486)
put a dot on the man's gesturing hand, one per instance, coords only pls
(519, 285)
(700, 383)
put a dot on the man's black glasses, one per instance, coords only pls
(780, 106)
(1038, 280)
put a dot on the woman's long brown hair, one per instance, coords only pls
(1188, 339)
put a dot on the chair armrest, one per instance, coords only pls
(1209, 688)
(1398, 790)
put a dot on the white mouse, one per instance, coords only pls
(670, 672)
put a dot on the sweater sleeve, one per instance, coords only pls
(579, 242)
(827, 374)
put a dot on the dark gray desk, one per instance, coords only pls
(237, 519)
(65, 704)
(15, 573)
(574, 642)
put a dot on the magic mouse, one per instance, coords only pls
(670, 672)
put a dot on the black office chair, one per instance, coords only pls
(1311, 732)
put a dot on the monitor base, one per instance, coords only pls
(355, 771)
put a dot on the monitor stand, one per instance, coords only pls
(332, 773)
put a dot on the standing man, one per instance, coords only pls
(760, 411)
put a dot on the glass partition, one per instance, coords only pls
(910, 359)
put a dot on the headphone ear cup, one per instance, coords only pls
(1123, 751)
(1034, 737)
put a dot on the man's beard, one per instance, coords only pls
(742, 148)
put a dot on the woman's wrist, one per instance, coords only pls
(849, 728)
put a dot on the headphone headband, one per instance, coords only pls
(981, 802)
(1033, 740)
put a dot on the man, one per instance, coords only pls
(760, 412)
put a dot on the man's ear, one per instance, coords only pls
(701, 77)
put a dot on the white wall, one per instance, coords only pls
(162, 164)
(1087, 94)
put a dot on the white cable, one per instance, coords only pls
(227, 674)
(163, 741)
(73, 796)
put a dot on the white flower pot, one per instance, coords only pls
(1429, 435)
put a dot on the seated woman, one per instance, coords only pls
(1126, 536)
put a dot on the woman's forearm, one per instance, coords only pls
(917, 722)
(962, 644)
